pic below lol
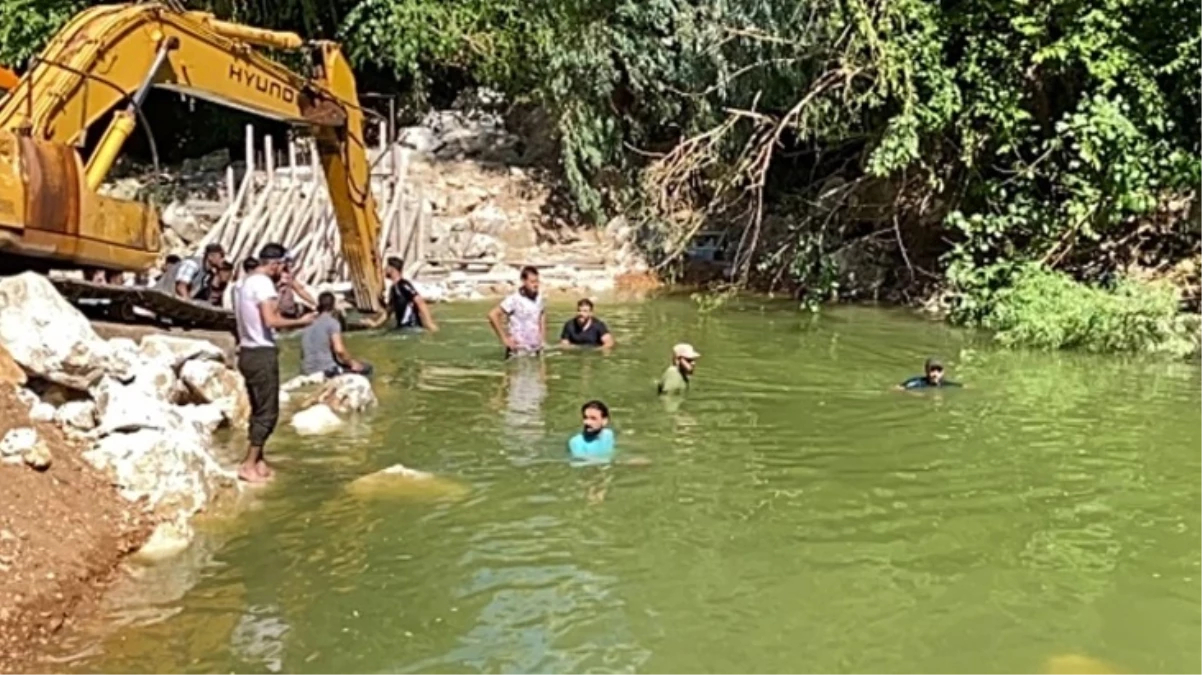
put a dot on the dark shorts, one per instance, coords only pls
(260, 367)
(343, 370)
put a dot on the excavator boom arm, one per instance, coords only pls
(110, 54)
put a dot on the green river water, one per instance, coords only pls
(797, 515)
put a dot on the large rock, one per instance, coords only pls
(316, 420)
(169, 539)
(157, 380)
(123, 359)
(212, 382)
(170, 468)
(76, 415)
(176, 350)
(46, 335)
(399, 481)
(348, 394)
(124, 408)
(205, 418)
(302, 381)
(472, 245)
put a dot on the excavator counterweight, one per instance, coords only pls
(108, 57)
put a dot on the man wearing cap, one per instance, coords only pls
(257, 314)
(194, 276)
(675, 379)
(933, 377)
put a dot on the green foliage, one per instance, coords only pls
(1044, 309)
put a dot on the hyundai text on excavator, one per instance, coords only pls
(51, 215)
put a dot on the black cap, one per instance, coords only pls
(272, 252)
(214, 248)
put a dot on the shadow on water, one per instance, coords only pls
(797, 515)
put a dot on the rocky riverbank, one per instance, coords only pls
(106, 449)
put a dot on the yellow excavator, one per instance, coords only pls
(106, 59)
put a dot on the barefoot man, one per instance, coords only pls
(257, 313)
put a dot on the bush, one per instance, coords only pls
(1045, 309)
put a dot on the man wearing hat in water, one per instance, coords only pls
(675, 379)
(933, 377)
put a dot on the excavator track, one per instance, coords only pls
(120, 303)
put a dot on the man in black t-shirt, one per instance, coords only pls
(404, 301)
(584, 330)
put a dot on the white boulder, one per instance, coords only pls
(302, 381)
(315, 420)
(46, 335)
(121, 408)
(123, 359)
(205, 417)
(170, 538)
(76, 415)
(212, 382)
(170, 468)
(348, 393)
(175, 351)
(42, 412)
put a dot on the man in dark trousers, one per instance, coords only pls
(257, 314)
(404, 302)
(585, 330)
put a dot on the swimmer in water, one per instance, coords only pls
(595, 442)
(932, 377)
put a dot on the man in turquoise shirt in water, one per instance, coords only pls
(596, 441)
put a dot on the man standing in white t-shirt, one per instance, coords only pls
(257, 313)
(527, 318)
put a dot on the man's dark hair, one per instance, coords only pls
(325, 302)
(214, 248)
(272, 253)
(250, 265)
(172, 259)
(529, 271)
(396, 263)
(596, 405)
(584, 302)
(226, 266)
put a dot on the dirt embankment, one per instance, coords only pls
(63, 532)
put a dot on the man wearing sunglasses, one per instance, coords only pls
(675, 379)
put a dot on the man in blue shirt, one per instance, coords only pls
(596, 441)
(932, 378)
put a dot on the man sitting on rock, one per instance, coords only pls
(322, 347)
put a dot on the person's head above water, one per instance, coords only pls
(584, 311)
(529, 281)
(685, 357)
(933, 369)
(595, 416)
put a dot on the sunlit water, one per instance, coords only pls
(797, 515)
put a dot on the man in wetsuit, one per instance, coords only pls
(404, 301)
(585, 330)
(933, 377)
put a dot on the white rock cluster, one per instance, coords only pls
(345, 394)
(147, 411)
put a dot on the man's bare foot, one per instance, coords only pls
(264, 471)
(250, 474)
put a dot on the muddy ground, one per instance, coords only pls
(63, 534)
